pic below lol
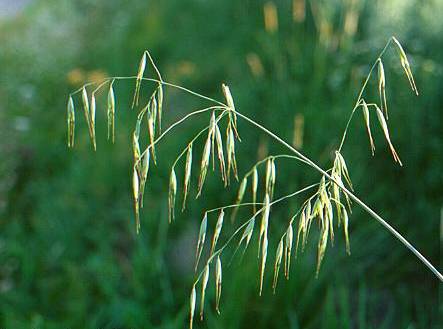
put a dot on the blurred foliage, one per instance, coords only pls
(69, 255)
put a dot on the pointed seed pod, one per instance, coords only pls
(384, 127)
(172, 194)
(151, 130)
(264, 221)
(160, 106)
(247, 233)
(254, 187)
(192, 299)
(230, 150)
(141, 70)
(405, 64)
(71, 122)
(382, 87)
(205, 279)
(288, 249)
(322, 243)
(136, 151)
(218, 284)
(92, 119)
(368, 126)
(201, 239)
(85, 101)
(264, 253)
(221, 157)
(143, 175)
(135, 190)
(240, 195)
(187, 181)
(111, 112)
(346, 230)
(204, 165)
(230, 103)
(278, 258)
(217, 231)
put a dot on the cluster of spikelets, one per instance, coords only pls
(331, 192)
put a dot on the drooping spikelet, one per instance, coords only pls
(201, 239)
(187, 181)
(368, 126)
(288, 249)
(218, 228)
(192, 299)
(135, 190)
(172, 194)
(254, 187)
(205, 279)
(204, 164)
(218, 283)
(382, 87)
(278, 258)
(405, 64)
(264, 254)
(240, 195)
(384, 127)
(71, 122)
(230, 151)
(141, 70)
(111, 112)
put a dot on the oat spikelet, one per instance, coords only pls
(368, 126)
(302, 232)
(187, 181)
(204, 165)
(85, 101)
(346, 230)
(247, 234)
(382, 87)
(136, 150)
(111, 112)
(205, 279)
(322, 244)
(230, 151)
(160, 106)
(218, 283)
(141, 71)
(254, 187)
(264, 221)
(71, 122)
(405, 64)
(264, 253)
(278, 258)
(92, 119)
(218, 228)
(135, 190)
(151, 131)
(288, 249)
(172, 193)
(221, 157)
(231, 106)
(144, 175)
(201, 239)
(384, 126)
(240, 195)
(192, 299)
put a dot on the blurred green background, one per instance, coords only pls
(69, 255)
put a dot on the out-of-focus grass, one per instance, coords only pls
(68, 252)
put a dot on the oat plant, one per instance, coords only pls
(326, 203)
